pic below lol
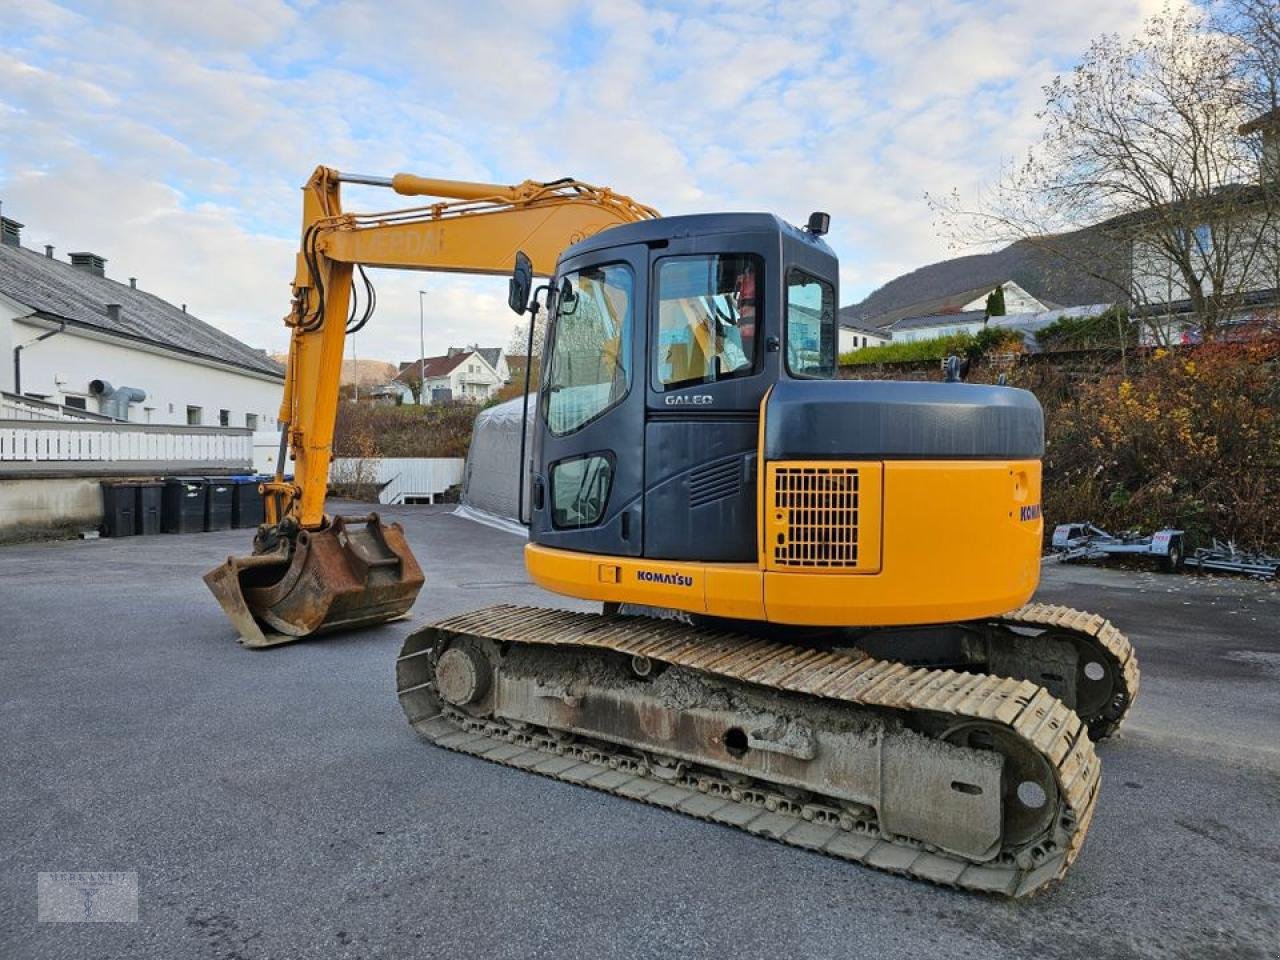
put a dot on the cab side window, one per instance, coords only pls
(580, 491)
(708, 310)
(811, 326)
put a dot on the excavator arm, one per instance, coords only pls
(310, 572)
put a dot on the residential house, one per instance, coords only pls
(496, 357)
(458, 375)
(856, 334)
(1232, 238)
(910, 329)
(962, 310)
(74, 337)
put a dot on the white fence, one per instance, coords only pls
(68, 447)
(401, 478)
(14, 407)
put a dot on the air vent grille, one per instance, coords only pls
(816, 517)
(715, 482)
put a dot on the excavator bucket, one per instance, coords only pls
(352, 573)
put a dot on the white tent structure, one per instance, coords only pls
(489, 483)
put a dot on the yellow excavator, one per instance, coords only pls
(815, 622)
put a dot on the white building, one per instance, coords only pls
(461, 374)
(70, 335)
(1016, 300)
(910, 329)
(855, 334)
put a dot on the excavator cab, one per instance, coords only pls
(664, 338)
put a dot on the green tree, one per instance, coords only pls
(995, 302)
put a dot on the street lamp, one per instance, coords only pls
(422, 351)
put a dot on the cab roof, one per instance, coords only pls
(694, 225)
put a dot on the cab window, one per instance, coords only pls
(811, 326)
(707, 319)
(590, 369)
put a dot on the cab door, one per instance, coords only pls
(713, 351)
(587, 487)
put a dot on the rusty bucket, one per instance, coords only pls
(351, 573)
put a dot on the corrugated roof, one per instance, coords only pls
(56, 289)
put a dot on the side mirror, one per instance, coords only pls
(521, 283)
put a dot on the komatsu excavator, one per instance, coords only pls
(815, 622)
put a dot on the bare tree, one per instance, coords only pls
(518, 345)
(1142, 178)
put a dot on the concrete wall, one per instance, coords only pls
(49, 506)
(62, 366)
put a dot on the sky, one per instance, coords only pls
(172, 137)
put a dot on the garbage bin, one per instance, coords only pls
(246, 504)
(219, 497)
(149, 507)
(184, 499)
(119, 507)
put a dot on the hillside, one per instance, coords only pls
(1056, 280)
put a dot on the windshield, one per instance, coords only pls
(590, 367)
(811, 326)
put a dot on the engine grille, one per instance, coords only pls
(815, 516)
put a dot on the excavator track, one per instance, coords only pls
(1109, 661)
(941, 751)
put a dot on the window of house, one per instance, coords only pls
(195, 416)
(224, 418)
(76, 403)
(811, 324)
(590, 368)
(251, 421)
(706, 319)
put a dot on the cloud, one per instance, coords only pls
(173, 139)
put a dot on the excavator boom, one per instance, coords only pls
(309, 572)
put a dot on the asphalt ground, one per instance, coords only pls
(276, 804)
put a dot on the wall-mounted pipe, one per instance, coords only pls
(114, 401)
(17, 354)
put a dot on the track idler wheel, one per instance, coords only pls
(352, 572)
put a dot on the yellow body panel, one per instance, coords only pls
(948, 540)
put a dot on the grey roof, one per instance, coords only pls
(57, 290)
(491, 355)
(862, 326)
(938, 320)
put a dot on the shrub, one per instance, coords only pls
(974, 346)
(437, 430)
(1187, 439)
(1109, 329)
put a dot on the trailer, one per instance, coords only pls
(1085, 541)
(1229, 558)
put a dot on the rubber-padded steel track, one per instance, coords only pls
(1027, 712)
(1100, 635)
